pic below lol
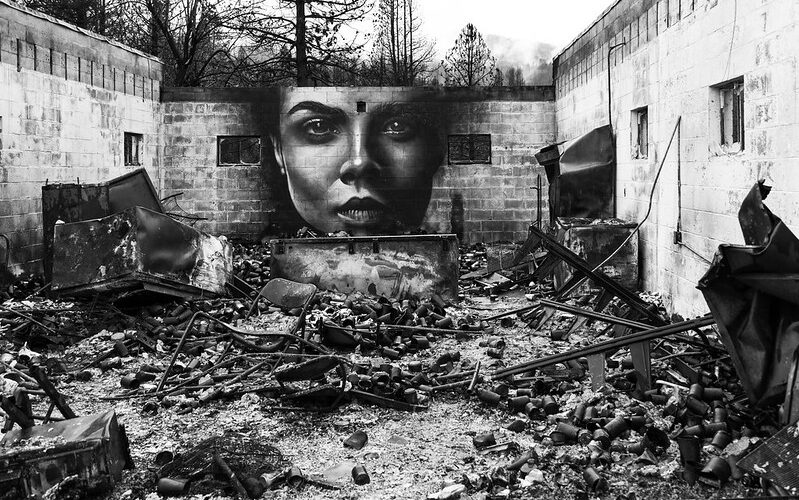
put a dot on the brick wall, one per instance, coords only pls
(496, 199)
(671, 67)
(61, 127)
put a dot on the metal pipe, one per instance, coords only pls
(609, 345)
(511, 312)
(594, 315)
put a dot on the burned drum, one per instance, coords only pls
(390, 266)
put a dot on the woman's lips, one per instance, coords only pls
(363, 211)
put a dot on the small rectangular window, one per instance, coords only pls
(239, 150)
(133, 146)
(469, 148)
(727, 112)
(639, 128)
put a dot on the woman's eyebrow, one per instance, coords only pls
(316, 107)
(397, 108)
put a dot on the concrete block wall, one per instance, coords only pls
(498, 200)
(58, 124)
(687, 48)
(495, 198)
(234, 200)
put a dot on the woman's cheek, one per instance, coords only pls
(411, 166)
(314, 169)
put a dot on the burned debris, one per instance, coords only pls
(586, 390)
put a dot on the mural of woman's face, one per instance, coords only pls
(365, 173)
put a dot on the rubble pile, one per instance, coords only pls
(547, 394)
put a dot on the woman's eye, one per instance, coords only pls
(320, 129)
(398, 129)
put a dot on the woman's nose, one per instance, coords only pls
(359, 162)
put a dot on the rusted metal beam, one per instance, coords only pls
(609, 345)
(615, 320)
(581, 266)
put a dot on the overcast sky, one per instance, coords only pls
(554, 22)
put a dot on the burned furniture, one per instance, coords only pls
(75, 202)
(389, 266)
(93, 448)
(139, 249)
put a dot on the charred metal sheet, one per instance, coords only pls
(79, 202)
(139, 249)
(390, 266)
(753, 292)
(95, 448)
(593, 240)
(582, 175)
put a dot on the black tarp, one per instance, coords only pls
(582, 177)
(753, 293)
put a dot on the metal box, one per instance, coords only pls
(139, 249)
(390, 266)
(594, 240)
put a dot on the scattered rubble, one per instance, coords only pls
(517, 389)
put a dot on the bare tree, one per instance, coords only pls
(230, 42)
(87, 14)
(469, 62)
(190, 35)
(400, 54)
(303, 38)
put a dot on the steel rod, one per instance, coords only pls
(609, 345)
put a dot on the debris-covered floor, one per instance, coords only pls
(416, 408)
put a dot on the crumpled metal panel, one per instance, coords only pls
(139, 248)
(390, 266)
(582, 181)
(79, 202)
(753, 293)
(93, 447)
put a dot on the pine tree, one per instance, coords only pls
(469, 62)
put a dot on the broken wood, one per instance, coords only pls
(47, 386)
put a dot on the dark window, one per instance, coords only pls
(133, 146)
(727, 111)
(469, 148)
(640, 132)
(239, 150)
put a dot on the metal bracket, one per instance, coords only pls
(642, 364)
(596, 368)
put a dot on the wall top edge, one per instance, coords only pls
(26, 10)
(537, 93)
(588, 28)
